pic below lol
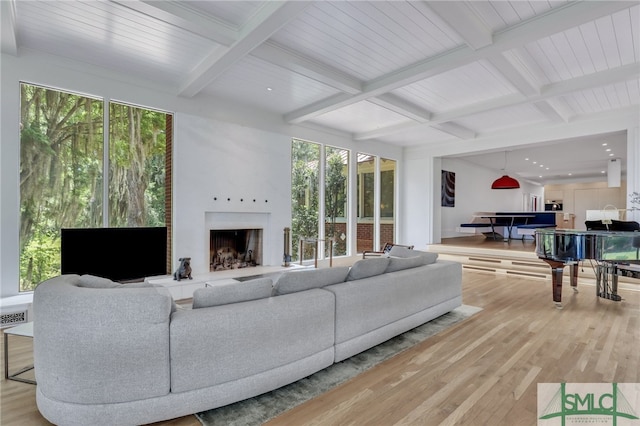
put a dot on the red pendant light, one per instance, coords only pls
(505, 182)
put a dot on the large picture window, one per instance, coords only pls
(336, 172)
(305, 203)
(62, 172)
(366, 169)
(387, 200)
(314, 167)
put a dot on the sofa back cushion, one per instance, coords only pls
(225, 294)
(419, 258)
(294, 281)
(365, 268)
(93, 281)
(400, 263)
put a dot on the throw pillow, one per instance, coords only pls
(225, 294)
(92, 281)
(294, 281)
(366, 268)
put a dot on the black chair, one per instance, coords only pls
(386, 248)
(626, 226)
(596, 225)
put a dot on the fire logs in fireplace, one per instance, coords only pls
(233, 249)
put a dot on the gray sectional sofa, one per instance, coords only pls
(116, 354)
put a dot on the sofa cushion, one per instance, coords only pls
(400, 263)
(294, 281)
(216, 295)
(92, 281)
(398, 251)
(365, 268)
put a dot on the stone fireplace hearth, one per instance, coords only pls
(234, 249)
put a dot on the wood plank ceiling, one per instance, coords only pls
(407, 73)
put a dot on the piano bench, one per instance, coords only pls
(470, 228)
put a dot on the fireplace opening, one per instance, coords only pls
(235, 249)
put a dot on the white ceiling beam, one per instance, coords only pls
(456, 130)
(513, 75)
(300, 64)
(562, 108)
(546, 108)
(384, 131)
(464, 21)
(548, 92)
(598, 79)
(9, 30)
(557, 20)
(398, 105)
(181, 16)
(271, 17)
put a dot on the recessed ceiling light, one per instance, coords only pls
(547, 168)
(269, 89)
(570, 174)
(601, 171)
(608, 150)
(535, 162)
(605, 144)
(540, 176)
(526, 159)
(541, 165)
(611, 155)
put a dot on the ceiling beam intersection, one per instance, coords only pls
(272, 17)
(298, 63)
(463, 20)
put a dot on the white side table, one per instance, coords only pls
(24, 330)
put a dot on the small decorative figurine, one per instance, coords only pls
(184, 270)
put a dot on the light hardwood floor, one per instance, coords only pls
(482, 371)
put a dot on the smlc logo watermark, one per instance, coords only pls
(615, 404)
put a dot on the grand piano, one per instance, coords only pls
(616, 253)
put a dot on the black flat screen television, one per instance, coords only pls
(120, 254)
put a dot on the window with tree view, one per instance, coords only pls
(305, 183)
(366, 169)
(62, 172)
(387, 196)
(335, 200)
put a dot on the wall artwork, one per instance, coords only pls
(448, 192)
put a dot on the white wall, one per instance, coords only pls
(473, 193)
(235, 165)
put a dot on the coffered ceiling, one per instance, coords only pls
(407, 73)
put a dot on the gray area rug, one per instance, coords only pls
(260, 409)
